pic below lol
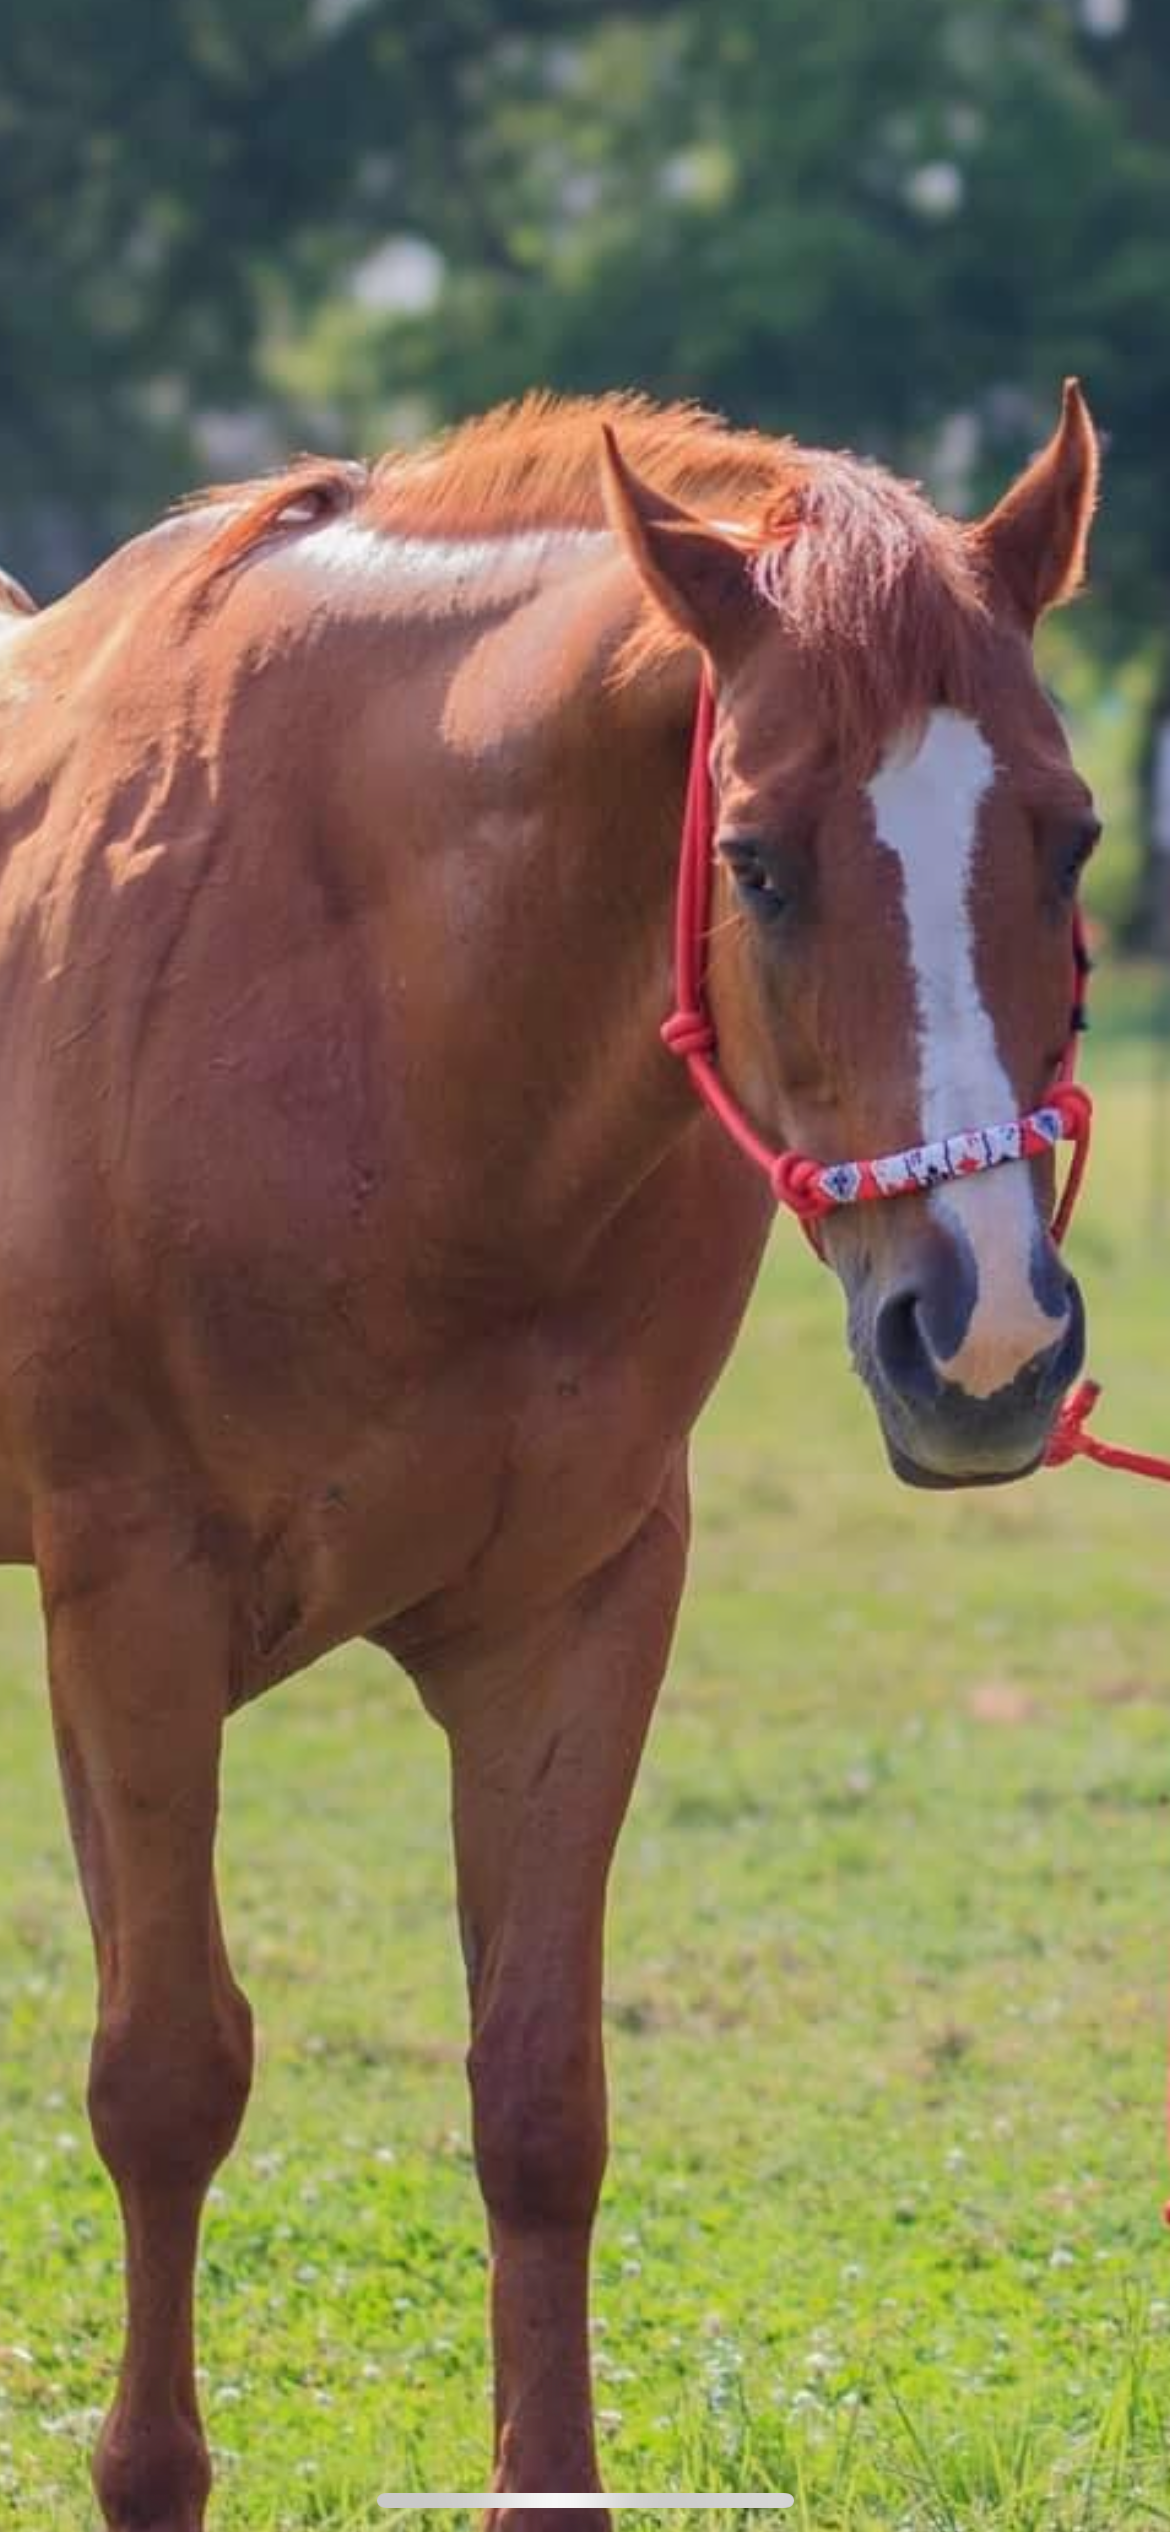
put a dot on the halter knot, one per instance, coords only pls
(1074, 1106)
(1071, 1439)
(797, 1181)
(1068, 1438)
(688, 1033)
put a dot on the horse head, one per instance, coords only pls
(899, 833)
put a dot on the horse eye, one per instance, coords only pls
(745, 861)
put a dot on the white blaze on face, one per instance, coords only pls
(926, 800)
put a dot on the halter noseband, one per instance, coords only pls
(811, 1188)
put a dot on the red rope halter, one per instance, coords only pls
(810, 1188)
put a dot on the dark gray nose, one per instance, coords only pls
(938, 1433)
(911, 1347)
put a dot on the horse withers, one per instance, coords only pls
(364, 1259)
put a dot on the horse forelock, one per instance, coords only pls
(879, 593)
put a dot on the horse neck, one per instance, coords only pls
(569, 792)
(610, 968)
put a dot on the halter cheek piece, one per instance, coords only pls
(811, 1189)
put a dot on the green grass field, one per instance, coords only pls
(887, 2006)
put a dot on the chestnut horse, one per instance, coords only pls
(365, 1259)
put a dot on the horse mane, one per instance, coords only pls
(537, 464)
(882, 594)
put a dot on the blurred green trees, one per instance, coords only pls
(233, 224)
(176, 184)
(229, 227)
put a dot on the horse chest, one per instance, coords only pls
(515, 1469)
(518, 1474)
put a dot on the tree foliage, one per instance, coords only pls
(176, 183)
(255, 223)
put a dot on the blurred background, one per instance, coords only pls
(886, 2008)
(234, 228)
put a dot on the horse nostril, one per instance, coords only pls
(1070, 1353)
(903, 1354)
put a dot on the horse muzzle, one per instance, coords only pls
(941, 1430)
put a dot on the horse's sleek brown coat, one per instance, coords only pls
(363, 1260)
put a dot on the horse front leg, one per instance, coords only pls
(138, 1658)
(546, 1737)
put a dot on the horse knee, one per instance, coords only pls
(166, 2099)
(538, 2101)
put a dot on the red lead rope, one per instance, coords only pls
(810, 1188)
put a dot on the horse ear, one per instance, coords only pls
(694, 572)
(1036, 537)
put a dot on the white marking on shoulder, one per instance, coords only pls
(926, 800)
(16, 686)
(435, 574)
